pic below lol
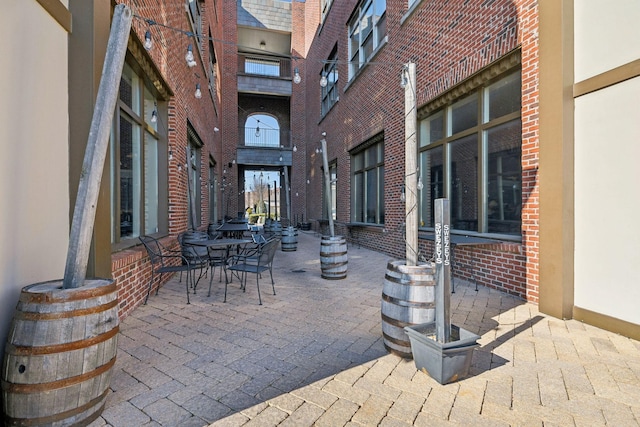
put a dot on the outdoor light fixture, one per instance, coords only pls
(263, 45)
(198, 93)
(258, 130)
(295, 148)
(296, 76)
(403, 197)
(191, 62)
(404, 79)
(420, 185)
(148, 43)
(154, 116)
(323, 80)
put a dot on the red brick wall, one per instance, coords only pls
(449, 41)
(131, 268)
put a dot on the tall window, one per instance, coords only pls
(194, 194)
(195, 15)
(213, 66)
(367, 30)
(368, 183)
(134, 163)
(329, 92)
(213, 194)
(470, 152)
(325, 5)
(262, 130)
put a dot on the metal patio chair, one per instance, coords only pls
(164, 260)
(256, 262)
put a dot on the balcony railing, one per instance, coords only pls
(263, 65)
(264, 137)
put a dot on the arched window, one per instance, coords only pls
(262, 130)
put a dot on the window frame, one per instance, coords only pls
(329, 94)
(360, 177)
(484, 125)
(354, 26)
(139, 116)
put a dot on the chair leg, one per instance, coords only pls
(189, 275)
(273, 285)
(258, 285)
(150, 286)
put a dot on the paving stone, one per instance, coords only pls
(406, 407)
(305, 415)
(313, 355)
(337, 414)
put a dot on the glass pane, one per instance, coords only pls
(464, 114)
(370, 157)
(464, 183)
(150, 184)
(358, 161)
(503, 97)
(366, 22)
(432, 129)
(371, 195)
(149, 108)
(130, 89)
(504, 187)
(381, 28)
(129, 179)
(367, 47)
(358, 197)
(381, 195)
(432, 174)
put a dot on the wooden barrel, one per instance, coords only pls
(289, 242)
(408, 299)
(59, 354)
(333, 257)
(276, 229)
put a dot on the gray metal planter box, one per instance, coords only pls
(444, 362)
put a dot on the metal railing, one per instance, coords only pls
(264, 137)
(264, 65)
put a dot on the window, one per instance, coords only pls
(329, 92)
(368, 183)
(213, 66)
(136, 149)
(262, 130)
(195, 15)
(194, 195)
(470, 152)
(367, 30)
(325, 5)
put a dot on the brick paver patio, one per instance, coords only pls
(313, 355)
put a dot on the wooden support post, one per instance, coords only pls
(327, 183)
(411, 165)
(84, 213)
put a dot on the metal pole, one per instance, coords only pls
(84, 213)
(443, 269)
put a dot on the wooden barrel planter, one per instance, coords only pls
(59, 354)
(408, 299)
(289, 242)
(276, 229)
(333, 257)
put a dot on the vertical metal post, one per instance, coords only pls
(443, 270)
